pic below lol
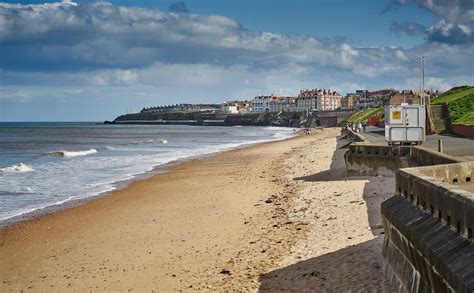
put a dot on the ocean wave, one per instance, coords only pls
(163, 141)
(18, 168)
(67, 154)
(106, 148)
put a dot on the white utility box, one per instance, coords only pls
(405, 124)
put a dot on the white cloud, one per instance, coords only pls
(400, 55)
(186, 55)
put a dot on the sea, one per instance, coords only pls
(45, 166)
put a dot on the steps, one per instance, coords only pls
(441, 120)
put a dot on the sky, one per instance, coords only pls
(92, 61)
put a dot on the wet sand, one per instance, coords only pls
(275, 216)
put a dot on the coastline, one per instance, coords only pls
(239, 220)
(162, 189)
(122, 183)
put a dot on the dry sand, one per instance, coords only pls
(275, 216)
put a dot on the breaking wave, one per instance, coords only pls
(68, 154)
(18, 168)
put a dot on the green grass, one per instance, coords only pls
(466, 119)
(363, 115)
(462, 110)
(460, 102)
(453, 94)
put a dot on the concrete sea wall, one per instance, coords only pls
(429, 222)
(428, 225)
(367, 159)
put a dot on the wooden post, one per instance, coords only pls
(440, 145)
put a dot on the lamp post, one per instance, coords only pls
(422, 80)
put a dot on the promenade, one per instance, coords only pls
(452, 145)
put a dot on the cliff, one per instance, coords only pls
(217, 119)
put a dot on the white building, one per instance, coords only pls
(230, 108)
(308, 100)
(261, 104)
(283, 104)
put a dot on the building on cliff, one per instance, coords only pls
(318, 100)
(283, 104)
(261, 104)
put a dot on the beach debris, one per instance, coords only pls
(269, 200)
(225, 272)
(376, 226)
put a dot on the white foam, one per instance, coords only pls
(67, 154)
(94, 175)
(18, 168)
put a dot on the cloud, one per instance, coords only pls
(179, 7)
(100, 46)
(455, 24)
(459, 11)
(450, 33)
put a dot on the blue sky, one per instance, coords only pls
(90, 61)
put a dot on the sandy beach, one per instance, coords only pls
(279, 216)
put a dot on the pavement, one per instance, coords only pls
(452, 145)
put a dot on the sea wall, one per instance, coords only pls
(428, 225)
(369, 159)
(428, 157)
(354, 137)
(366, 159)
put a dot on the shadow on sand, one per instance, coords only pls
(334, 271)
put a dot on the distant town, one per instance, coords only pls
(308, 100)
